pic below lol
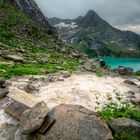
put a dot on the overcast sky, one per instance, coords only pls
(124, 14)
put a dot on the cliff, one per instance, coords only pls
(31, 9)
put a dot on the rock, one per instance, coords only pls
(75, 55)
(59, 68)
(125, 71)
(125, 125)
(130, 94)
(138, 78)
(10, 63)
(66, 74)
(14, 58)
(130, 82)
(12, 108)
(32, 119)
(20, 136)
(35, 85)
(135, 100)
(2, 81)
(75, 122)
(122, 70)
(129, 71)
(2, 70)
(90, 65)
(102, 63)
(3, 92)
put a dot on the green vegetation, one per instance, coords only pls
(115, 50)
(99, 73)
(124, 109)
(113, 111)
(136, 73)
(125, 136)
(41, 53)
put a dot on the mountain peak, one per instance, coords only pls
(91, 13)
(92, 19)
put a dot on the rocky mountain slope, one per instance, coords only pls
(97, 37)
(27, 47)
(30, 8)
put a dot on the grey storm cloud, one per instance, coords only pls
(116, 12)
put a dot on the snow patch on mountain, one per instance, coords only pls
(61, 25)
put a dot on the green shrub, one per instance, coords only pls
(113, 111)
(99, 73)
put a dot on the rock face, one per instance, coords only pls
(32, 119)
(76, 123)
(125, 125)
(32, 10)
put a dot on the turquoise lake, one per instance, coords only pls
(126, 62)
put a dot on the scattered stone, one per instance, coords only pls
(32, 119)
(125, 125)
(130, 94)
(34, 85)
(129, 71)
(90, 65)
(130, 82)
(75, 122)
(124, 71)
(2, 70)
(59, 68)
(75, 55)
(138, 78)
(3, 92)
(66, 74)
(14, 58)
(2, 81)
(9, 63)
(135, 100)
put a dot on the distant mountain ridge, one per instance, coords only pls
(99, 37)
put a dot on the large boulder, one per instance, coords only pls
(32, 119)
(73, 122)
(125, 125)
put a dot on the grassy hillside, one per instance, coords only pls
(22, 37)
